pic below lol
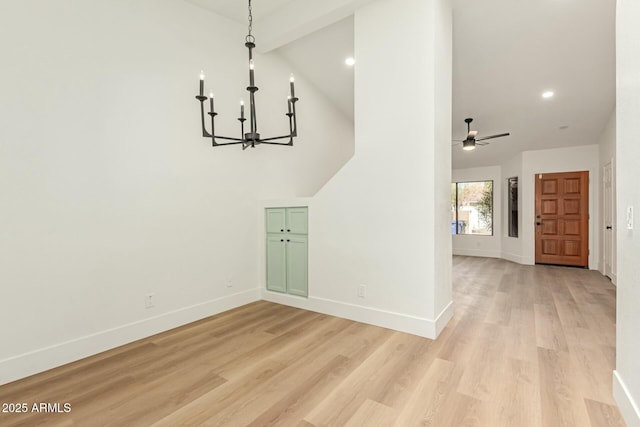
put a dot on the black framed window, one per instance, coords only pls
(472, 208)
(512, 213)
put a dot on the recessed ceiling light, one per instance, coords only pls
(547, 94)
(350, 61)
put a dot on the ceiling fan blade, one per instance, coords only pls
(481, 143)
(472, 134)
(456, 143)
(492, 136)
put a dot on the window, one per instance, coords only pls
(472, 208)
(512, 195)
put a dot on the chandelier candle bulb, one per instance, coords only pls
(291, 81)
(201, 83)
(211, 101)
(242, 109)
(289, 103)
(252, 80)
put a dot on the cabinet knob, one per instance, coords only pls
(609, 227)
(537, 223)
(288, 230)
(281, 230)
(282, 240)
(288, 240)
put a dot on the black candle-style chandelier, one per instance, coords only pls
(251, 138)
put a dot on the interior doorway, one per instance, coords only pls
(562, 218)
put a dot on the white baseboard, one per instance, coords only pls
(628, 407)
(443, 318)
(512, 257)
(420, 326)
(477, 252)
(40, 360)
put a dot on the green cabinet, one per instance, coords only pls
(287, 243)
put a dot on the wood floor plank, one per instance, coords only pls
(603, 415)
(527, 346)
(435, 385)
(500, 311)
(488, 361)
(562, 404)
(549, 331)
(304, 396)
(372, 413)
(516, 398)
(520, 336)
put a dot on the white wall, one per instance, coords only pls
(107, 191)
(608, 155)
(485, 246)
(559, 160)
(379, 221)
(627, 374)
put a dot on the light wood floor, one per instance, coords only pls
(528, 346)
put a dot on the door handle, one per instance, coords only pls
(538, 223)
(609, 227)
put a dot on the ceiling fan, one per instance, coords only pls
(471, 141)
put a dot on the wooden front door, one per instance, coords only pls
(562, 218)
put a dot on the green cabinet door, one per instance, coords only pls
(276, 263)
(297, 265)
(276, 220)
(297, 222)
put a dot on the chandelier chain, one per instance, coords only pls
(250, 37)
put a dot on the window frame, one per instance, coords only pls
(456, 183)
(510, 207)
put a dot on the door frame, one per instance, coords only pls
(585, 227)
(609, 205)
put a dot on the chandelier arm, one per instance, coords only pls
(213, 115)
(234, 141)
(241, 120)
(254, 117)
(280, 143)
(238, 140)
(275, 138)
(294, 131)
(204, 128)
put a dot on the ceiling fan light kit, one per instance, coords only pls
(251, 138)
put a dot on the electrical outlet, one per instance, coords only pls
(362, 290)
(150, 300)
(229, 282)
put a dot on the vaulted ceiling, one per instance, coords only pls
(506, 53)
